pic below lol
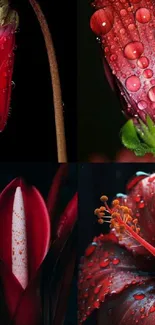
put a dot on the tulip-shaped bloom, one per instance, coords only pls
(126, 32)
(117, 273)
(8, 25)
(24, 243)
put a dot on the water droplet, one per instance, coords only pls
(142, 310)
(104, 263)
(113, 57)
(152, 309)
(102, 21)
(131, 27)
(143, 62)
(116, 261)
(148, 73)
(142, 105)
(133, 50)
(133, 83)
(139, 296)
(90, 249)
(141, 205)
(123, 12)
(143, 15)
(122, 31)
(151, 94)
(97, 289)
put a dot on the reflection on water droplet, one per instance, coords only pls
(104, 263)
(131, 27)
(116, 261)
(133, 50)
(143, 15)
(133, 83)
(123, 12)
(143, 62)
(151, 94)
(113, 57)
(142, 105)
(102, 21)
(148, 73)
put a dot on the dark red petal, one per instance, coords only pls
(128, 156)
(55, 188)
(135, 180)
(7, 44)
(107, 271)
(134, 306)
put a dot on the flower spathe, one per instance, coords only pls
(8, 25)
(126, 31)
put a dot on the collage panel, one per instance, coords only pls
(38, 238)
(116, 246)
(115, 81)
(37, 83)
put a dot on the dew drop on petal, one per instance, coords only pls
(143, 62)
(151, 94)
(133, 83)
(116, 261)
(148, 73)
(104, 263)
(133, 50)
(152, 309)
(102, 21)
(123, 12)
(139, 296)
(113, 57)
(131, 27)
(143, 15)
(141, 105)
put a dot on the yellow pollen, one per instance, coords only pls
(115, 202)
(100, 221)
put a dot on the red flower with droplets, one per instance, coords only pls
(126, 32)
(8, 25)
(117, 273)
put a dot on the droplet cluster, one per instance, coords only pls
(126, 31)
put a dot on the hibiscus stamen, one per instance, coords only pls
(122, 220)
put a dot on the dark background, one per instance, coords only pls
(41, 176)
(95, 180)
(99, 110)
(30, 131)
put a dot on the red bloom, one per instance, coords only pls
(117, 273)
(126, 31)
(8, 25)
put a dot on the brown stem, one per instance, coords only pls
(57, 98)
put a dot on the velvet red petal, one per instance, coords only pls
(126, 29)
(134, 306)
(38, 236)
(7, 44)
(105, 270)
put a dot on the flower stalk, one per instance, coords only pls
(57, 96)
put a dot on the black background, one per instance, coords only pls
(30, 131)
(99, 110)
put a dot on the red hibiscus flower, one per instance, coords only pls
(26, 226)
(8, 25)
(126, 32)
(117, 275)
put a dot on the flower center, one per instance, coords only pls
(121, 218)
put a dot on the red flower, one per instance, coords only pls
(25, 229)
(8, 25)
(123, 155)
(126, 31)
(117, 273)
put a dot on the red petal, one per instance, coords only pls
(128, 156)
(38, 235)
(107, 271)
(7, 43)
(126, 30)
(134, 306)
(141, 200)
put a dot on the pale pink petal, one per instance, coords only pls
(19, 240)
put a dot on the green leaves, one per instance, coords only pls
(141, 138)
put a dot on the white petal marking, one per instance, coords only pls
(19, 240)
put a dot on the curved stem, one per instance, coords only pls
(57, 98)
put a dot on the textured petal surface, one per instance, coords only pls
(7, 44)
(126, 29)
(105, 270)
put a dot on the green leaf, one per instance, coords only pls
(150, 125)
(129, 136)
